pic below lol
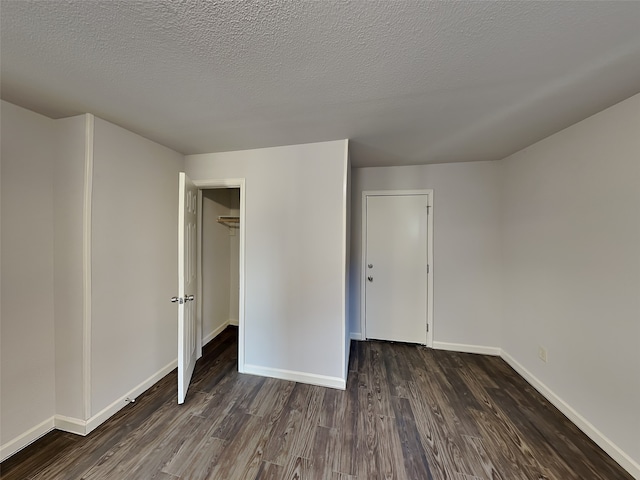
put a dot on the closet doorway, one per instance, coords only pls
(220, 262)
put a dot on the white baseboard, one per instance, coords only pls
(79, 426)
(214, 333)
(70, 424)
(27, 438)
(464, 348)
(218, 331)
(98, 419)
(293, 376)
(582, 423)
(356, 336)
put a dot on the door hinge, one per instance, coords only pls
(428, 269)
(427, 327)
(428, 209)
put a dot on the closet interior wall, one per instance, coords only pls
(220, 261)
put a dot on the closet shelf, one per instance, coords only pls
(228, 219)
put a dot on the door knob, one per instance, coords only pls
(177, 300)
(188, 298)
(370, 265)
(370, 278)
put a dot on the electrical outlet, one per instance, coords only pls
(542, 354)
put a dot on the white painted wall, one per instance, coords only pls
(572, 268)
(68, 188)
(467, 246)
(295, 238)
(27, 358)
(218, 261)
(134, 262)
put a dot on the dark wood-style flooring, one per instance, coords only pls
(408, 413)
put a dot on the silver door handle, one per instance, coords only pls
(178, 300)
(370, 279)
(188, 298)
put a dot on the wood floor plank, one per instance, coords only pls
(560, 435)
(407, 413)
(163, 476)
(378, 448)
(355, 356)
(271, 398)
(242, 458)
(196, 458)
(415, 461)
(389, 455)
(348, 432)
(397, 377)
(446, 408)
(293, 434)
(486, 465)
(343, 476)
(537, 441)
(270, 471)
(28, 462)
(378, 383)
(324, 461)
(462, 476)
(506, 446)
(365, 442)
(433, 436)
(137, 455)
(333, 407)
(297, 468)
(444, 400)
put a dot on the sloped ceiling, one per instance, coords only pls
(409, 82)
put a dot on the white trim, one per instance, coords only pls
(77, 425)
(356, 336)
(582, 423)
(110, 410)
(293, 376)
(86, 262)
(71, 425)
(235, 183)
(233, 321)
(345, 269)
(81, 427)
(210, 336)
(465, 348)
(430, 211)
(200, 342)
(25, 439)
(217, 331)
(363, 247)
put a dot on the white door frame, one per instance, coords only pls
(215, 184)
(363, 262)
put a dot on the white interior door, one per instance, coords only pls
(396, 268)
(187, 236)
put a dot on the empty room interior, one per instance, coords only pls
(319, 240)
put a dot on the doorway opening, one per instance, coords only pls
(219, 261)
(220, 267)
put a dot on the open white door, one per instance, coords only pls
(187, 230)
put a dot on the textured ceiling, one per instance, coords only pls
(409, 82)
